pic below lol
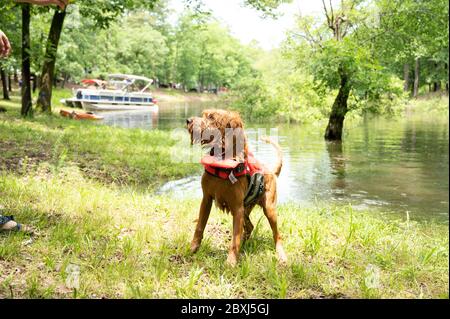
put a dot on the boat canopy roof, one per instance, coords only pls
(126, 82)
(129, 77)
(93, 81)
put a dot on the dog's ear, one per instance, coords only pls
(209, 114)
(189, 121)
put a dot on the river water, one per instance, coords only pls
(398, 165)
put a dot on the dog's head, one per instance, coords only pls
(196, 126)
(219, 129)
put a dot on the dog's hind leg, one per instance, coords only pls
(270, 212)
(248, 226)
(205, 210)
(238, 223)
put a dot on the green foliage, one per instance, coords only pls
(252, 98)
(206, 55)
(373, 41)
(198, 54)
(280, 90)
(267, 7)
(295, 83)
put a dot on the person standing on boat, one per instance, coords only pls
(8, 222)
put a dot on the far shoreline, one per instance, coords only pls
(173, 96)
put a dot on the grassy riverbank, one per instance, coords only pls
(112, 155)
(88, 190)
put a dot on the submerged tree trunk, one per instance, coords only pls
(416, 78)
(48, 69)
(406, 77)
(26, 87)
(4, 83)
(338, 111)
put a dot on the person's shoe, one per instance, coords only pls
(9, 224)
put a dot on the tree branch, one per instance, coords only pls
(330, 24)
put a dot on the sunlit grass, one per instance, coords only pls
(123, 156)
(429, 105)
(75, 182)
(130, 244)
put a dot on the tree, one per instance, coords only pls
(342, 58)
(412, 40)
(134, 57)
(46, 82)
(267, 7)
(102, 12)
(26, 85)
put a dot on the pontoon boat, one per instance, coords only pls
(119, 92)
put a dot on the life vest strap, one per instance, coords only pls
(224, 173)
(224, 168)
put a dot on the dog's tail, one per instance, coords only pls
(279, 163)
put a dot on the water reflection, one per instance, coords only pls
(337, 164)
(145, 119)
(399, 165)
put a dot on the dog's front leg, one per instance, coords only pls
(205, 210)
(238, 225)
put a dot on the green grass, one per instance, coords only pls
(122, 156)
(130, 244)
(431, 104)
(88, 189)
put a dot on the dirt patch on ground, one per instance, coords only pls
(15, 157)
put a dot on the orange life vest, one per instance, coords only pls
(230, 168)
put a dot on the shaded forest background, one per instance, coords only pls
(369, 56)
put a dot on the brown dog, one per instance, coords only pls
(229, 196)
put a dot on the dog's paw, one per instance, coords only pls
(231, 260)
(282, 260)
(281, 256)
(194, 247)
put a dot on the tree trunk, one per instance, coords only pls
(406, 77)
(34, 82)
(48, 69)
(446, 83)
(26, 87)
(338, 111)
(416, 78)
(63, 82)
(9, 83)
(436, 86)
(4, 83)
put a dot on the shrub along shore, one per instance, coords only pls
(89, 190)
